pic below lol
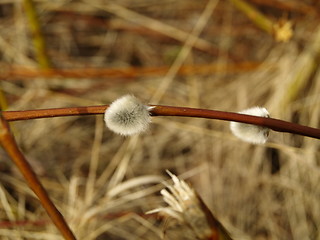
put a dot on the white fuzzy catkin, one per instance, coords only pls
(127, 116)
(249, 132)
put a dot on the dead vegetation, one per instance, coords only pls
(104, 183)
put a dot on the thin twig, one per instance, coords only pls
(158, 110)
(10, 146)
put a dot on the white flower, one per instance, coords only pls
(127, 116)
(249, 132)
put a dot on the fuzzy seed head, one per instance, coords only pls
(185, 206)
(248, 132)
(127, 116)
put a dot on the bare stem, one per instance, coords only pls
(158, 110)
(10, 146)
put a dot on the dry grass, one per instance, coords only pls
(103, 183)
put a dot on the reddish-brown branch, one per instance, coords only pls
(10, 146)
(274, 124)
(158, 110)
(54, 112)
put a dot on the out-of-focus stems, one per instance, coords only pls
(305, 72)
(37, 36)
(3, 100)
(258, 18)
(281, 30)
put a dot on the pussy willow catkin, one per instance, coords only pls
(127, 116)
(248, 132)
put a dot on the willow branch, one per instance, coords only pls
(158, 110)
(10, 146)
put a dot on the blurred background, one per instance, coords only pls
(222, 55)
